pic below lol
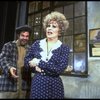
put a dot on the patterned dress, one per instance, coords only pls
(48, 84)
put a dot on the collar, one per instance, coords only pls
(43, 44)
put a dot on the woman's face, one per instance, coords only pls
(52, 29)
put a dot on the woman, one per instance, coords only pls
(48, 58)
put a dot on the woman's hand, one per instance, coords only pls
(34, 62)
(38, 69)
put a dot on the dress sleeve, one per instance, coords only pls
(29, 55)
(57, 63)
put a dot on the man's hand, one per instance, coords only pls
(13, 72)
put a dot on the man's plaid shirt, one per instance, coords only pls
(8, 58)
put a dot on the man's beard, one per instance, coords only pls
(23, 42)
